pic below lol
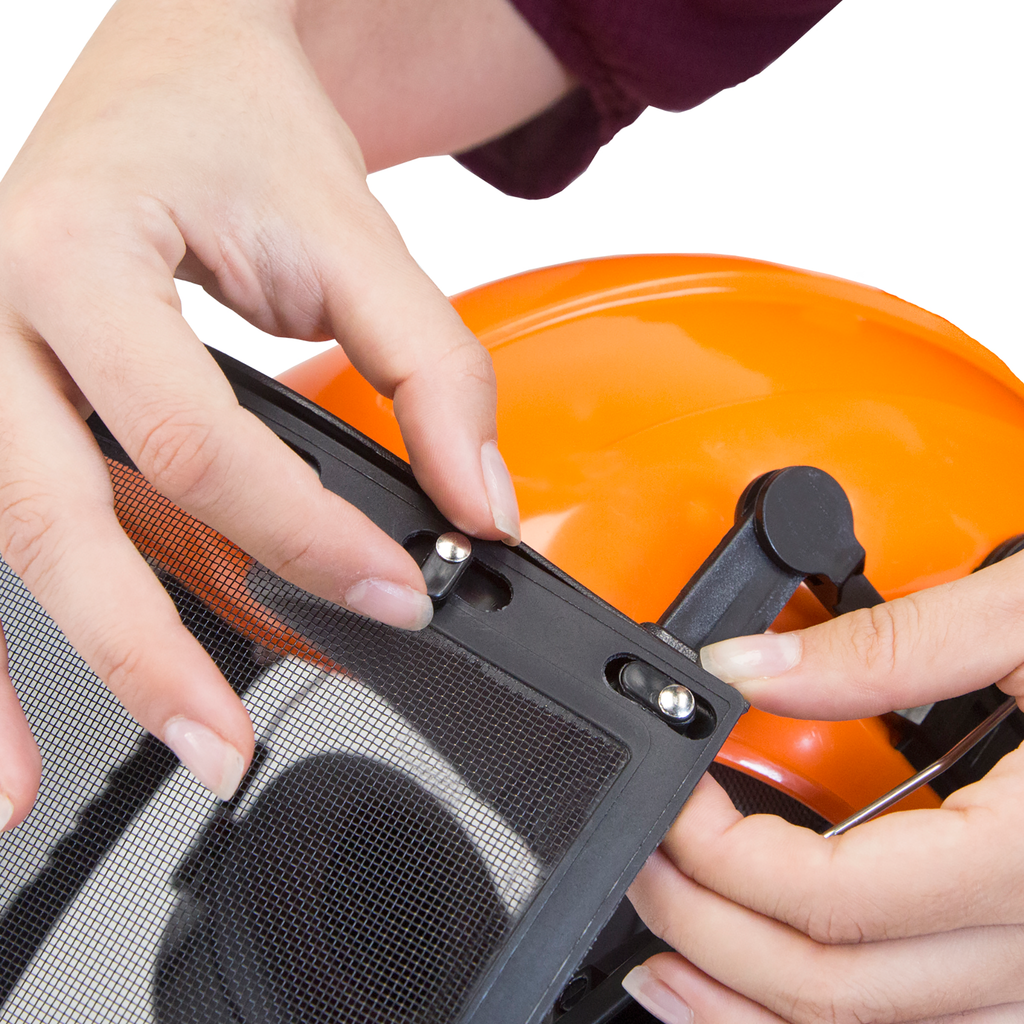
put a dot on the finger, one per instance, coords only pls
(59, 533)
(672, 989)
(803, 981)
(164, 398)
(930, 645)
(912, 873)
(20, 764)
(404, 336)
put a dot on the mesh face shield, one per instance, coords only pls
(435, 828)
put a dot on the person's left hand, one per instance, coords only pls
(915, 916)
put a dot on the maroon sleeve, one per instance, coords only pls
(627, 55)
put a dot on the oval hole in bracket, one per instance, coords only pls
(419, 545)
(480, 586)
(699, 727)
(483, 588)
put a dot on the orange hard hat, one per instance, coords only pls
(638, 396)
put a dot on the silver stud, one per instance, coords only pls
(677, 702)
(453, 547)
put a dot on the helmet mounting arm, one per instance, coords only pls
(792, 526)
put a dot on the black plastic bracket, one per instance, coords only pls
(792, 525)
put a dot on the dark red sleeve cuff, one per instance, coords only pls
(627, 55)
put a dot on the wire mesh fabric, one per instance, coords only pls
(406, 805)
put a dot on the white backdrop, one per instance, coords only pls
(883, 147)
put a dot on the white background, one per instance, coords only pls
(883, 147)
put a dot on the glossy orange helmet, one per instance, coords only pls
(638, 396)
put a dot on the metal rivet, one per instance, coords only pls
(453, 547)
(676, 702)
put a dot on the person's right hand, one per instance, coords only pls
(913, 916)
(196, 138)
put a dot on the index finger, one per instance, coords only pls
(904, 874)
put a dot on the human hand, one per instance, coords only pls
(196, 140)
(915, 916)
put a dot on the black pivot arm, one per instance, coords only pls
(792, 525)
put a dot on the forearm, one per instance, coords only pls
(409, 77)
(420, 77)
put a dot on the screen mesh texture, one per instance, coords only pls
(407, 803)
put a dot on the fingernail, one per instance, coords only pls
(752, 657)
(501, 495)
(394, 604)
(6, 811)
(216, 764)
(656, 997)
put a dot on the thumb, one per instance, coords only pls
(931, 645)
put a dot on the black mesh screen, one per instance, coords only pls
(407, 803)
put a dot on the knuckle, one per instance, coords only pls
(177, 451)
(29, 531)
(119, 665)
(57, 223)
(825, 998)
(45, 221)
(471, 362)
(289, 552)
(820, 1011)
(835, 912)
(832, 924)
(42, 212)
(806, 1002)
(875, 638)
